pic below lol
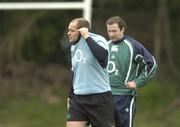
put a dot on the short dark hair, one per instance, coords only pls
(117, 19)
(81, 22)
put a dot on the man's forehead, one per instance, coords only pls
(73, 24)
(113, 24)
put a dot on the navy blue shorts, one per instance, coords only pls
(124, 110)
(97, 109)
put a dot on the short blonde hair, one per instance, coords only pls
(81, 22)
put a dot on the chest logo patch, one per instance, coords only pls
(114, 48)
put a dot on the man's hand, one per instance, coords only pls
(84, 32)
(131, 85)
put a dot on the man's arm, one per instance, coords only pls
(70, 90)
(71, 87)
(98, 51)
(147, 65)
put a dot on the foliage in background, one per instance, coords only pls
(40, 36)
(43, 44)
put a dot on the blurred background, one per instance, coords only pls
(35, 64)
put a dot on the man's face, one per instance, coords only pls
(73, 32)
(114, 32)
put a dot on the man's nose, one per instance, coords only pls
(110, 34)
(68, 33)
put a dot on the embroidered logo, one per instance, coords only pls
(114, 48)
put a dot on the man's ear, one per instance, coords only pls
(79, 32)
(122, 29)
(79, 36)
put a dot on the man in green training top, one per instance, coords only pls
(130, 67)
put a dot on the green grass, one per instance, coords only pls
(32, 112)
(152, 103)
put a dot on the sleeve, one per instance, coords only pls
(71, 86)
(98, 51)
(146, 65)
(72, 76)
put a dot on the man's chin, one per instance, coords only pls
(72, 42)
(113, 40)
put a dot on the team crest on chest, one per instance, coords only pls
(114, 48)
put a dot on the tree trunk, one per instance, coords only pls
(162, 38)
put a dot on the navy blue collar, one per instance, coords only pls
(118, 41)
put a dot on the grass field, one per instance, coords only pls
(32, 113)
(153, 109)
(157, 107)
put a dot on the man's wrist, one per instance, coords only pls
(86, 36)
